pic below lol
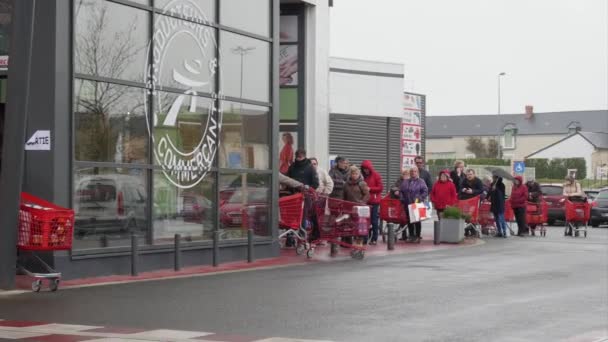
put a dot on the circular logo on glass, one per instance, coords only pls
(185, 126)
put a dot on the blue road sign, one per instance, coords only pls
(519, 167)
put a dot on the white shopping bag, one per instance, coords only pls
(418, 212)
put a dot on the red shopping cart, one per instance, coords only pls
(486, 218)
(470, 209)
(291, 216)
(392, 212)
(338, 219)
(537, 217)
(577, 217)
(43, 226)
(509, 215)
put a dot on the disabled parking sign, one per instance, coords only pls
(519, 167)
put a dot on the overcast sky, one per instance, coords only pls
(555, 52)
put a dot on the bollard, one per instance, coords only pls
(177, 252)
(436, 232)
(250, 245)
(333, 250)
(104, 241)
(134, 254)
(390, 244)
(216, 249)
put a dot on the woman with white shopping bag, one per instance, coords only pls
(413, 194)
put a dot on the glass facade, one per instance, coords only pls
(171, 130)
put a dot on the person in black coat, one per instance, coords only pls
(458, 175)
(471, 186)
(303, 171)
(424, 174)
(497, 197)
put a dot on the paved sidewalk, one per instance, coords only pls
(288, 258)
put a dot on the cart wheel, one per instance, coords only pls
(37, 285)
(300, 249)
(585, 233)
(358, 255)
(310, 253)
(54, 284)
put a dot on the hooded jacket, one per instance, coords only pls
(374, 182)
(519, 194)
(444, 193)
(356, 191)
(413, 189)
(303, 172)
(497, 196)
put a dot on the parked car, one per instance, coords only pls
(103, 203)
(599, 209)
(231, 210)
(592, 194)
(554, 196)
(195, 208)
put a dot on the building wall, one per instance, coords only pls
(574, 147)
(457, 146)
(599, 158)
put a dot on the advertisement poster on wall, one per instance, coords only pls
(412, 129)
(288, 144)
(288, 65)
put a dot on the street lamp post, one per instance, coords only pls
(499, 148)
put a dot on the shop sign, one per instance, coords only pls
(3, 62)
(40, 141)
(196, 72)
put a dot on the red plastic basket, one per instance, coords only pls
(486, 218)
(291, 209)
(44, 226)
(391, 210)
(577, 211)
(470, 207)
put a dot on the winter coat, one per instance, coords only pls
(285, 158)
(457, 180)
(413, 189)
(339, 178)
(534, 192)
(303, 172)
(374, 182)
(396, 187)
(573, 190)
(356, 191)
(519, 195)
(426, 177)
(443, 195)
(497, 197)
(476, 185)
(326, 185)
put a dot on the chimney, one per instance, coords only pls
(529, 112)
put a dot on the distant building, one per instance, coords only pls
(521, 135)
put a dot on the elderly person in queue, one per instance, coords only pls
(458, 175)
(519, 203)
(574, 192)
(443, 194)
(356, 190)
(339, 176)
(396, 194)
(326, 184)
(414, 190)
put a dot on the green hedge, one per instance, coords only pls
(557, 168)
(475, 161)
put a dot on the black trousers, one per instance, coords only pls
(415, 229)
(520, 217)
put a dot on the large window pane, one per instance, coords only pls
(111, 40)
(244, 204)
(184, 55)
(245, 66)
(245, 136)
(189, 212)
(109, 123)
(6, 12)
(248, 15)
(109, 205)
(195, 10)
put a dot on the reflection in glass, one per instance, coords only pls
(109, 123)
(245, 136)
(189, 212)
(109, 205)
(244, 204)
(204, 7)
(248, 15)
(245, 66)
(110, 40)
(6, 12)
(184, 55)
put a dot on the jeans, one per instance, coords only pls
(520, 217)
(501, 224)
(375, 211)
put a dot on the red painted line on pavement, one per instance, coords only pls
(61, 338)
(19, 324)
(229, 338)
(115, 330)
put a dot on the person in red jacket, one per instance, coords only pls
(374, 182)
(519, 202)
(444, 193)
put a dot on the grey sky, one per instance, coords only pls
(555, 52)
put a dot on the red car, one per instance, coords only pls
(554, 195)
(231, 209)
